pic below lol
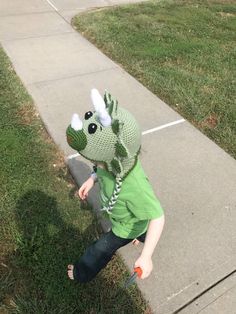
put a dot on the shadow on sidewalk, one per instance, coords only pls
(38, 280)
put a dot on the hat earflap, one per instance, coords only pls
(114, 196)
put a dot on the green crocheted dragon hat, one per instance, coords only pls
(108, 135)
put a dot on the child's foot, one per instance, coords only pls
(135, 242)
(70, 269)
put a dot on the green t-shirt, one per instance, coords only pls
(136, 204)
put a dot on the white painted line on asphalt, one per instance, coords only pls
(52, 5)
(73, 156)
(163, 126)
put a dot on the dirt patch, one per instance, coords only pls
(27, 114)
(225, 14)
(210, 122)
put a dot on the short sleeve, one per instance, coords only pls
(145, 207)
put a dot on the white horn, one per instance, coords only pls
(76, 123)
(100, 107)
(104, 118)
(97, 100)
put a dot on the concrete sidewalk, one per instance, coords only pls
(195, 262)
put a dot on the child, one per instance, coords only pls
(111, 138)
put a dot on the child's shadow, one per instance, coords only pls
(46, 244)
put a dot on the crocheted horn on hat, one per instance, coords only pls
(108, 135)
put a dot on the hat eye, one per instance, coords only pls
(88, 115)
(92, 128)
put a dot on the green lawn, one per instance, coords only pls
(42, 227)
(183, 51)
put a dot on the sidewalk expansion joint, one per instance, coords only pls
(69, 77)
(218, 297)
(39, 36)
(26, 13)
(204, 292)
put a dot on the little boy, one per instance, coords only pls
(111, 138)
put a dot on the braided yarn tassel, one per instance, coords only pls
(114, 196)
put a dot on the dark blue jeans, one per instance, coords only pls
(98, 255)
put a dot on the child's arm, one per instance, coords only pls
(153, 235)
(86, 186)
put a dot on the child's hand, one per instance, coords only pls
(145, 263)
(85, 188)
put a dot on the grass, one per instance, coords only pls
(42, 227)
(183, 51)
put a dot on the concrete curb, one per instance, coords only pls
(80, 171)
